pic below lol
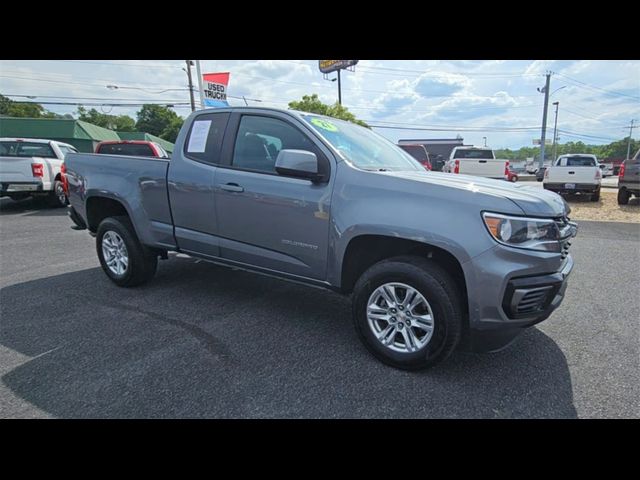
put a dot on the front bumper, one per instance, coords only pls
(510, 290)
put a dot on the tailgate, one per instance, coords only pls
(571, 175)
(18, 169)
(483, 167)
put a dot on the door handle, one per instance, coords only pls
(482, 161)
(571, 173)
(231, 187)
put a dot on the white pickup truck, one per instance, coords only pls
(574, 173)
(31, 167)
(477, 161)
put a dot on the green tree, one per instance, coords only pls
(159, 120)
(123, 123)
(312, 104)
(11, 108)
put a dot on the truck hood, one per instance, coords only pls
(531, 199)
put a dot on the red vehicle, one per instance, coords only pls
(138, 148)
(417, 151)
(511, 175)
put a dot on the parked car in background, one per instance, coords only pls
(418, 152)
(606, 169)
(332, 204)
(629, 179)
(476, 161)
(574, 173)
(30, 167)
(140, 148)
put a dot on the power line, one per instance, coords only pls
(139, 65)
(90, 104)
(593, 87)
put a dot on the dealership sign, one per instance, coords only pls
(214, 89)
(328, 66)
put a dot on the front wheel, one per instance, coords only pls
(407, 312)
(123, 258)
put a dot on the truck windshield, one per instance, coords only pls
(362, 147)
(473, 153)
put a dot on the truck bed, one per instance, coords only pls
(139, 183)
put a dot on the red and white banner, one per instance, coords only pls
(214, 89)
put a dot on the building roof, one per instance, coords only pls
(168, 146)
(54, 128)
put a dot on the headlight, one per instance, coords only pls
(523, 232)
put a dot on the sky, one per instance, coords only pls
(496, 99)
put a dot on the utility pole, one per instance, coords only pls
(485, 141)
(544, 120)
(339, 89)
(199, 73)
(631, 127)
(555, 129)
(193, 102)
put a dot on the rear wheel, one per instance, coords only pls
(407, 312)
(57, 198)
(123, 258)
(595, 196)
(623, 196)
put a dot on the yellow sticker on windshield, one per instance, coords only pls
(324, 124)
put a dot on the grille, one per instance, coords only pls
(534, 300)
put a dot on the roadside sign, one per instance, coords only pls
(214, 89)
(328, 66)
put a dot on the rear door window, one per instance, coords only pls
(26, 149)
(203, 148)
(64, 149)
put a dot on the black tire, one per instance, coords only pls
(53, 200)
(595, 196)
(142, 262)
(436, 286)
(623, 196)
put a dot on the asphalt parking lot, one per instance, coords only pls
(205, 341)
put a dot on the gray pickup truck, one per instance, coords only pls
(432, 261)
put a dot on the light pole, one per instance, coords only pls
(555, 129)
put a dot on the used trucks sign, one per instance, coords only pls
(214, 89)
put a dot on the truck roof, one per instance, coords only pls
(269, 109)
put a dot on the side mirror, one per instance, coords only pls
(298, 163)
